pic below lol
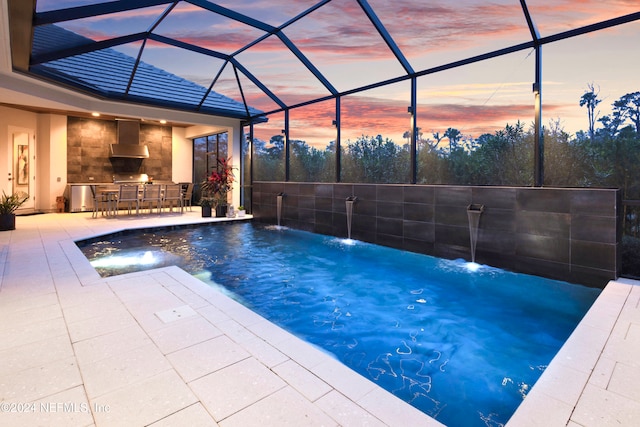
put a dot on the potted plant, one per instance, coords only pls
(218, 185)
(8, 206)
(241, 211)
(208, 205)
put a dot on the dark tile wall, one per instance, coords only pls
(88, 151)
(566, 234)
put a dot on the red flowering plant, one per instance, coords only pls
(218, 184)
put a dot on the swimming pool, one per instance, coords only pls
(462, 346)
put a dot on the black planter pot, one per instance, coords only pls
(221, 211)
(7, 222)
(206, 211)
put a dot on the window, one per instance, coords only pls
(206, 151)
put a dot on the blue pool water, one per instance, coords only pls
(463, 346)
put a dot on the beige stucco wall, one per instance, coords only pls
(51, 142)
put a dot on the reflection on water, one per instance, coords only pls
(462, 344)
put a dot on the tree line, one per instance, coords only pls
(606, 155)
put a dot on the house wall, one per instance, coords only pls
(182, 156)
(12, 120)
(51, 142)
(72, 150)
(565, 234)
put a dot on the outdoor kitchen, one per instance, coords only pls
(103, 153)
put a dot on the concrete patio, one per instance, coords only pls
(162, 348)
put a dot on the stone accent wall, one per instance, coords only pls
(565, 234)
(88, 151)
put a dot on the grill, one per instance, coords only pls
(136, 178)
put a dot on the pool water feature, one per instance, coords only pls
(463, 346)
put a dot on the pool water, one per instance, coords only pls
(461, 344)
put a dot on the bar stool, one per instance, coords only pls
(99, 201)
(187, 194)
(152, 193)
(173, 193)
(129, 194)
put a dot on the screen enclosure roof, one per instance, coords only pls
(242, 59)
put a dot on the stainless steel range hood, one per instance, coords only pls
(128, 145)
(129, 151)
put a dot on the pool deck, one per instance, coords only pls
(161, 348)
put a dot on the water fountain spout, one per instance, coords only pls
(279, 207)
(473, 213)
(349, 206)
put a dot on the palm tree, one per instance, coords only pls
(454, 136)
(590, 99)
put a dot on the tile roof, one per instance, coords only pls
(106, 73)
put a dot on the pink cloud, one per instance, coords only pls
(370, 117)
(343, 27)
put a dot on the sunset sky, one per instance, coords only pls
(342, 43)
